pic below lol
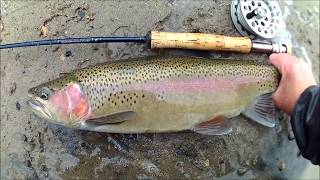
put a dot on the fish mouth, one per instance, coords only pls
(39, 109)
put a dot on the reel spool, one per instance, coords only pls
(258, 19)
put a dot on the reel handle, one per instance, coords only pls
(200, 41)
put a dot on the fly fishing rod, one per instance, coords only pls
(254, 20)
(75, 40)
(155, 39)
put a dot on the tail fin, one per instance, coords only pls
(262, 111)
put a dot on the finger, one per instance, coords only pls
(280, 60)
(275, 98)
(279, 100)
(283, 57)
(277, 60)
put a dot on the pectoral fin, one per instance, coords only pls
(112, 118)
(217, 126)
(262, 111)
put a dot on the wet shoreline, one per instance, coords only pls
(33, 148)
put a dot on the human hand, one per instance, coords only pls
(296, 76)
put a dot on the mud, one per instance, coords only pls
(32, 148)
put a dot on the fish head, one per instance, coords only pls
(61, 102)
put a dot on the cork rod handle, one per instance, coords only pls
(200, 41)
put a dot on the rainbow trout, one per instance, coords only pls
(159, 94)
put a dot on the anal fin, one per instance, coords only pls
(262, 111)
(217, 126)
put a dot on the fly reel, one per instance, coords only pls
(258, 19)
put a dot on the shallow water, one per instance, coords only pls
(33, 148)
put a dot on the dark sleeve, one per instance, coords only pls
(305, 122)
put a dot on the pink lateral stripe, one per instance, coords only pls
(186, 85)
(197, 84)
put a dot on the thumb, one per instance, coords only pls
(280, 60)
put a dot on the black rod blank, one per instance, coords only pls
(76, 40)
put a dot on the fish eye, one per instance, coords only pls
(45, 93)
(44, 96)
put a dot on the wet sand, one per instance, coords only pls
(32, 148)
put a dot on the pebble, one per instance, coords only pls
(281, 165)
(179, 164)
(29, 164)
(241, 171)
(44, 31)
(309, 42)
(206, 163)
(95, 47)
(1, 27)
(81, 14)
(223, 167)
(13, 88)
(201, 14)
(68, 53)
(254, 161)
(150, 168)
(90, 17)
(20, 137)
(247, 162)
(44, 170)
(56, 49)
(291, 136)
(186, 175)
(24, 138)
(18, 106)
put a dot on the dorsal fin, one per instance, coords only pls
(217, 126)
(262, 110)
